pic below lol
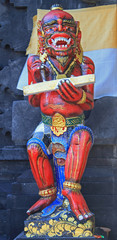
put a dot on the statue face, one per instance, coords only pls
(60, 33)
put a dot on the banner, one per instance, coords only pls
(99, 42)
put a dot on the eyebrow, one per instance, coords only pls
(49, 23)
(69, 22)
(65, 21)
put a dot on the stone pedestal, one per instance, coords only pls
(99, 232)
(60, 223)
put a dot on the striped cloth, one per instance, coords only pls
(99, 42)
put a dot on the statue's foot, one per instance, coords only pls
(78, 204)
(52, 207)
(41, 204)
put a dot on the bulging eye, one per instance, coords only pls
(65, 28)
(50, 28)
(54, 28)
(68, 28)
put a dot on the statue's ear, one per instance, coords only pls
(39, 29)
(40, 35)
(79, 53)
(78, 32)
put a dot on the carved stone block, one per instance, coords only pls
(25, 119)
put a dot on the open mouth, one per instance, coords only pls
(61, 42)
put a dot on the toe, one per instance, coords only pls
(78, 213)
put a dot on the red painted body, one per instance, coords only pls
(61, 43)
(52, 102)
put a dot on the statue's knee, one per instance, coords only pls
(75, 138)
(36, 147)
(31, 145)
(81, 132)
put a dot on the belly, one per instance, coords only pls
(52, 103)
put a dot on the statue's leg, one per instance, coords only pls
(80, 145)
(59, 150)
(42, 172)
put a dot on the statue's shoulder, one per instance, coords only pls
(32, 59)
(87, 64)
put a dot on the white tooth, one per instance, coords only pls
(53, 42)
(62, 46)
(59, 46)
(66, 45)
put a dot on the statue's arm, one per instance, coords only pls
(83, 96)
(88, 68)
(34, 76)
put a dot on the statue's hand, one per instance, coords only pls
(39, 71)
(68, 91)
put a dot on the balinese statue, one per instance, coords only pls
(61, 135)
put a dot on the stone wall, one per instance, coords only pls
(17, 186)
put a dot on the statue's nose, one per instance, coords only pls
(60, 25)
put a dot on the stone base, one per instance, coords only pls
(99, 232)
(58, 221)
(61, 222)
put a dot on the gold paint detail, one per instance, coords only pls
(64, 225)
(83, 99)
(61, 161)
(56, 8)
(53, 106)
(68, 70)
(77, 161)
(62, 60)
(58, 124)
(43, 57)
(57, 147)
(79, 56)
(68, 121)
(59, 76)
(48, 192)
(72, 185)
(58, 120)
(58, 130)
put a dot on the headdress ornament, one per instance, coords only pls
(56, 7)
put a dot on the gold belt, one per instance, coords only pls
(59, 123)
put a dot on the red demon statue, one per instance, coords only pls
(61, 134)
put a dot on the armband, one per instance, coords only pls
(72, 185)
(83, 99)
